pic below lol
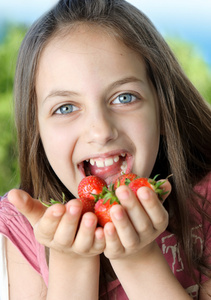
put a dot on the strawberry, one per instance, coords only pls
(102, 211)
(88, 205)
(102, 208)
(91, 186)
(124, 179)
(150, 183)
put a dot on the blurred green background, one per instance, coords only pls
(9, 45)
(192, 62)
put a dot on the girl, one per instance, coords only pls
(95, 81)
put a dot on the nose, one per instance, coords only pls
(100, 128)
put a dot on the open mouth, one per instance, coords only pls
(109, 168)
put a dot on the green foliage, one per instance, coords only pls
(8, 54)
(193, 64)
(9, 175)
(8, 156)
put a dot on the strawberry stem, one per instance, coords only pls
(52, 201)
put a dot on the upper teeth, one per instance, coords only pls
(101, 163)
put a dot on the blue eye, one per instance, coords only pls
(125, 98)
(66, 109)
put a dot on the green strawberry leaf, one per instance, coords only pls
(52, 201)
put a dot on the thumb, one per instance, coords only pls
(31, 208)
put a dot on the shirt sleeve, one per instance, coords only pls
(19, 231)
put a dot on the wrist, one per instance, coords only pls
(147, 272)
(74, 271)
(145, 254)
(71, 256)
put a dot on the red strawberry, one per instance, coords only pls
(139, 182)
(90, 185)
(102, 208)
(88, 205)
(148, 182)
(124, 179)
(102, 211)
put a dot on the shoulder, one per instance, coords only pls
(12, 221)
(203, 191)
(201, 210)
(203, 187)
(15, 226)
(8, 213)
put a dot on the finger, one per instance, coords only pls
(85, 237)
(99, 240)
(114, 247)
(125, 229)
(154, 208)
(67, 228)
(135, 211)
(46, 227)
(31, 208)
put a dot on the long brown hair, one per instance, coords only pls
(185, 147)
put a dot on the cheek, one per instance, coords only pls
(144, 127)
(58, 145)
(145, 135)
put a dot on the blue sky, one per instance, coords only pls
(188, 19)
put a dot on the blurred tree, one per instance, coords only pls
(8, 54)
(8, 155)
(193, 64)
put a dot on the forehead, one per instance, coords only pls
(89, 37)
(86, 55)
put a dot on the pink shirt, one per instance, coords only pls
(16, 227)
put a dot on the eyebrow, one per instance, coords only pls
(66, 93)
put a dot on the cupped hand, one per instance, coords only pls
(137, 222)
(61, 227)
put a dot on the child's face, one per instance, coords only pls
(97, 109)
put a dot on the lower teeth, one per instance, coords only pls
(124, 167)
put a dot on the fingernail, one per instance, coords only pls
(123, 194)
(88, 222)
(110, 232)
(110, 229)
(99, 234)
(57, 213)
(118, 215)
(74, 210)
(144, 194)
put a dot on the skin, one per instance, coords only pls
(92, 72)
(88, 66)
